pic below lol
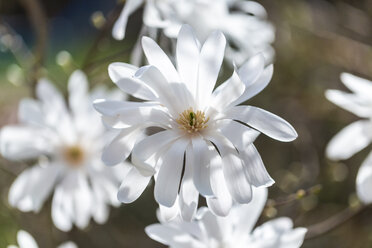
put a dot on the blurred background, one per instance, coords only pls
(315, 41)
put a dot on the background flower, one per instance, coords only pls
(243, 22)
(67, 143)
(357, 135)
(234, 231)
(25, 240)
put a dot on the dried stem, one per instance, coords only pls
(333, 222)
(102, 34)
(38, 20)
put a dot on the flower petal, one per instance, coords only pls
(120, 26)
(79, 101)
(201, 155)
(263, 121)
(25, 240)
(189, 195)
(357, 84)
(123, 75)
(32, 187)
(188, 57)
(30, 112)
(227, 92)
(169, 177)
(351, 102)
(24, 142)
(156, 57)
(211, 58)
(120, 148)
(364, 181)
(246, 216)
(350, 140)
(133, 185)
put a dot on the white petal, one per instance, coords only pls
(24, 142)
(201, 155)
(120, 148)
(254, 83)
(123, 75)
(351, 102)
(189, 195)
(215, 227)
(232, 165)
(279, 233)
(169, 177)
(252, 7)
(263, 121)
(357, 84)
(166, 214)
(156, 57)
(246, 216)
(82, 200)
(134, 183)
(78, 93)
(68, 244)
(172, 236)
(350, 140)
(25, 240)
(188, 57)
(364, 181)
(30, 112)
(227, 92)
(120, 26)
(211, 58)
(32, 187)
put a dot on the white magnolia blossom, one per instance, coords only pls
(234, 231)
(67, 143)
(25, 240)
(246, 27)
(206, 143)
(358, 135)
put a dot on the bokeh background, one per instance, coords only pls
(316, 40)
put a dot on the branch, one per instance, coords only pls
(333, 222)
(104, 30)
(39, 23)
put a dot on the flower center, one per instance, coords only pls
(192, 121)
(74, 155)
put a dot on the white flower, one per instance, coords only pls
(25, 240)
(357, 135)
(67, 141)
(233, 231)
(243, 22)
(206, 143)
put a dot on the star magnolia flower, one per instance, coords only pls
(246, 26)
(68, 143)
(206, 143)
(357, 135)
(25, 240)
(233, 231)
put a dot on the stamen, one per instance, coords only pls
(74, 155)
(192, 121)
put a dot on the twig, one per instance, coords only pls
(334, 221)
(39, 22)
(104, 30)
(301, 193)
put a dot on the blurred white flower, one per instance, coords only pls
(357, 135)
(67, 141)
(233, 231)
(206, 143)
(25, 240)
(243, 22)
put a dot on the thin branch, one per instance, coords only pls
(39, 23)
(333, 222)
(102, 34)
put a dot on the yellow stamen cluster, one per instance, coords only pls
(74, 155)
(191, 121)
